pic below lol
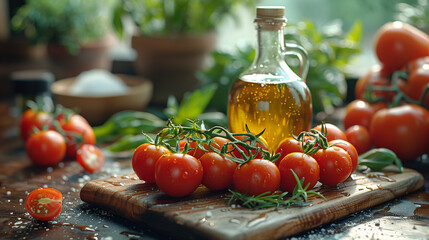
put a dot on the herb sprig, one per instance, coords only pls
(247, 147)
(299, 197)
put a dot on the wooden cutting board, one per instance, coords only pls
(206, 215)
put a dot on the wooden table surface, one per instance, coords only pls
(403, 218)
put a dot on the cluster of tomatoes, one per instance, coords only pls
(390, 110)
(179, 174)
(49, 138)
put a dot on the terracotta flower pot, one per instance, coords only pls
(95, 55)
(171, 62)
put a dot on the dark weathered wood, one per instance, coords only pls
(206, 214)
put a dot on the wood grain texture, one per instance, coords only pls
(206, 214)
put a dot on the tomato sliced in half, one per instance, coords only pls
(90, 158)
(44, 204)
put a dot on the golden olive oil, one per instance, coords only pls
(281, 107)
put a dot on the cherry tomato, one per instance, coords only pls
(333, 131)
(373, 77)
(178, 174)
(30, 120)
(359, 137)
(90, 158)
(78, 131)
(349, 148)
(335, 165)
(46, 148)
(416, 64)
(256, 177)
(417, 82)
(289, 145)
(304, 166)
(144, 159)
(218, 171)
(194, 150)
(397, 43)
(358, 112)
(403, 129)
(197, 152)
(263, 145)
(44, 204)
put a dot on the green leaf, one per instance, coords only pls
(117, 21)
(380, 158)
(193, 104)
(355, 33)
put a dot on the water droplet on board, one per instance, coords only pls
(234, 220)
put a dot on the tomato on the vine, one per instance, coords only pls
(78, 131)
(178, 174)
(144, 159)
(349, 148)
(46, 148)
(374, 77)
(288, 145)
(198, 152)
(333, 132)
(256, 177)
(398, 43)
(44, 204)
(90, 158)
(262, 144)
(418, 81)
(304, 166)
(218, 171)
(403, 129)
(359, 137)
(194, 150)
(31, 119)
(335, 165)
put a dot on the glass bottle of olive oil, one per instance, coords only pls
(269, 95)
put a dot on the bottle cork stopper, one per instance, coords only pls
(270, 12)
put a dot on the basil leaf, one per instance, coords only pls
(380, 158)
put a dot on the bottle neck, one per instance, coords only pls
(270, 41)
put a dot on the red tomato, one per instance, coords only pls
(90, 158)
(30, 120)
(144, 159)
(335, 165)
(219, 142)
(197, 152)
(256, 177)
(416, 64)
(373, 77)
(359, 137)
(350, 149)
(358, 112)
(403, 129)
(289, 145)
(397, 43)
(334, 132)
(263, 145)
(46, 148)
(44, 204)
(178, 174)
(304, 166)
(417, 82)
(78, 131)
(194, 150)
(218, 171)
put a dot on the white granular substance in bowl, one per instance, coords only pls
(98, 83)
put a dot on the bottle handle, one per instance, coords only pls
(302, 55)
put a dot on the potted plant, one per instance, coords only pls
(75, 32)
(174, 38)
